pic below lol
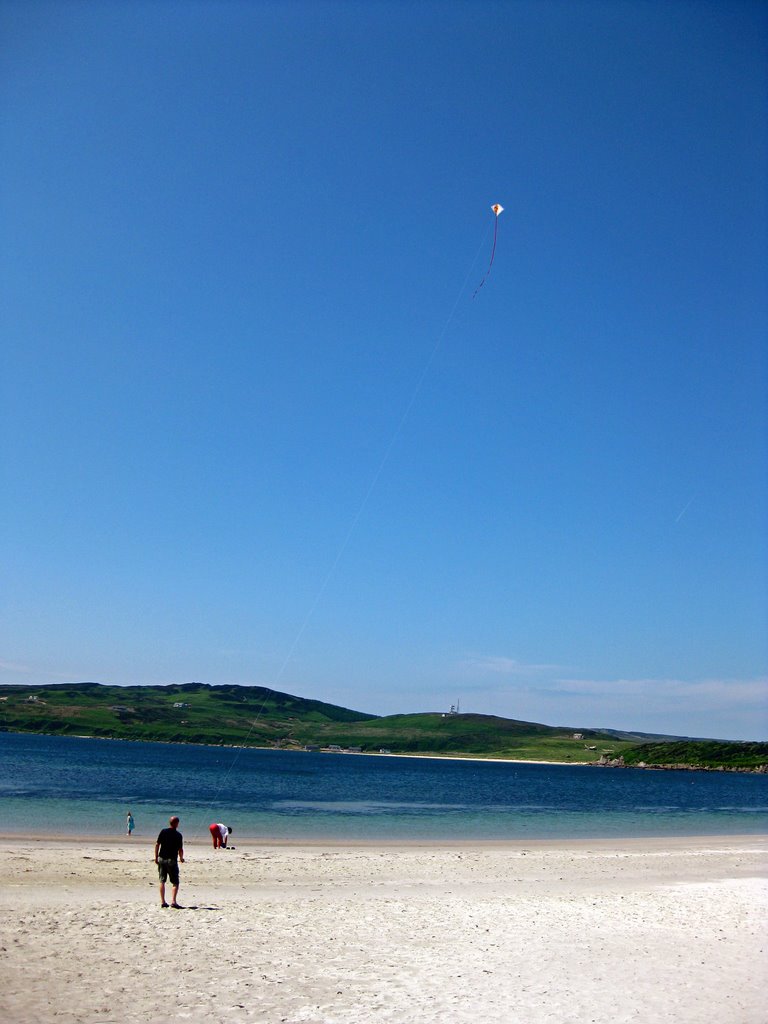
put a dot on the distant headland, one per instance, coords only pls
(260, 717)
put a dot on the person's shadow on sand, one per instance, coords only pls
(195, 907)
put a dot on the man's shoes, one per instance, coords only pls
(164, 906)
(175, 906)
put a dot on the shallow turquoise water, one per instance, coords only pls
(69, 785)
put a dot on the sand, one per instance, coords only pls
(672, 931)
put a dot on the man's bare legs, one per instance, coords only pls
(174, 894)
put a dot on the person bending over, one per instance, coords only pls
(219, 834)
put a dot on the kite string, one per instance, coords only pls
(358, 514)
(493, 253)
(390, 445)
(493, 250)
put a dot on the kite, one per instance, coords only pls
(497, 208)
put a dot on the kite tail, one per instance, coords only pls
(493, 253)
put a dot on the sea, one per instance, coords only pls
(74, 785)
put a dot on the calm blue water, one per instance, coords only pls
(55, 784)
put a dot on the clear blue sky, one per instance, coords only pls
(255, 428)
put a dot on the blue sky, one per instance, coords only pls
(255, 428)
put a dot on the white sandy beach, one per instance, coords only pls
(672, 931)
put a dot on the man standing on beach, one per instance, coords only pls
(169, 850)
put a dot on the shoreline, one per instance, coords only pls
(300, 750)
(475, 758)
(603, 843)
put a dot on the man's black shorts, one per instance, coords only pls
(168, 869)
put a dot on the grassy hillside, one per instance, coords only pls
(259, 717)
(207, 714)
(699, 753)
(475, 735)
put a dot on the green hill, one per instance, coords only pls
(475, 735)
(255, 716)
(184, 713)
(719, 754)
(260, 717)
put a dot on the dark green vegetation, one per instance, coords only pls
(259, 717)
(254, 716)
(699, 754)
(188, 713)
